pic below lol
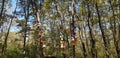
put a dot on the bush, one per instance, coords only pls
(13, 52)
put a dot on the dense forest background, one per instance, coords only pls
(60, 28)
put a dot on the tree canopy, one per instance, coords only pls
(59, 28)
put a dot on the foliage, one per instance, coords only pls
(39, 22)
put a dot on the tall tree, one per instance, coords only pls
(101, 29)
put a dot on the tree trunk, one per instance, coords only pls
(92, 41)
(114, 32)
(3, 3)
(102, 31)
(26, 11)
(83, 46)
(73, 14)
(6, 38)
(118, 42)
(25, 34)
(82, 43)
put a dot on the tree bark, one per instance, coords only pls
(114, 32)
(6, 38)
(83, 46)
(92, 41)
(26, 11)
(3, 3)
(73, 14)
(102, 31)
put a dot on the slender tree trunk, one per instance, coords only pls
(2, 8)
(114, 32)
(6, 38)
(38, 21)
(83, 45)
(3, 3)
(25, 34)
(73, 14)
(87, 40)
(41, 44)
(102, 31)
(92, 41)
(118, 42)
(26, 11)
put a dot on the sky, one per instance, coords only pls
(11, 8)
(13, 28)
